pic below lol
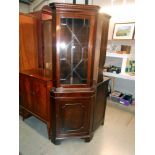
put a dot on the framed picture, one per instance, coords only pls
(123, 30)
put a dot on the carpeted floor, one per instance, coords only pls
(116, 137)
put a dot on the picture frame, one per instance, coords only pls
(124, 30)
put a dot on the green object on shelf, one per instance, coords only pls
(130, 68)
(126, 69)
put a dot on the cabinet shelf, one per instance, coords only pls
(122, 40)
(115, 55)
(123, 76)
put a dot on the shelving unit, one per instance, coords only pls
(115, 55)
(123, 76)
(125, 57)
(123, 40)
(123, 82)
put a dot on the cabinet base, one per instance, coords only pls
(88, 139)
(24, 114)
(58, 141)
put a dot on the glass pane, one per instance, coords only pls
(74, 36)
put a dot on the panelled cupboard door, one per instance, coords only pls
(27, 93)
(40, 98)
(73, 116)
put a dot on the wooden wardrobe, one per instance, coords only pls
(35, 78)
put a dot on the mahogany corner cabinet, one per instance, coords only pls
(75, 90)
(78, 100)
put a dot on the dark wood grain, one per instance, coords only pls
(73, 11)
(69, 110)
(103, 47)
(35, 86)
(100, 103)
(78, 109)
(82, 9)
(43, 74)
(72, 111)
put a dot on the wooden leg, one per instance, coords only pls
(49, 130)
(102, 122)
(56, 142)
(88, 139)
(25, 114)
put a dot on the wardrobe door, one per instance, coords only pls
(28, 53)
(27, 93)
(40, 98)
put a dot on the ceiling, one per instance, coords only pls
(26, 1)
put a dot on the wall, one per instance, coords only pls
(24, 8)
